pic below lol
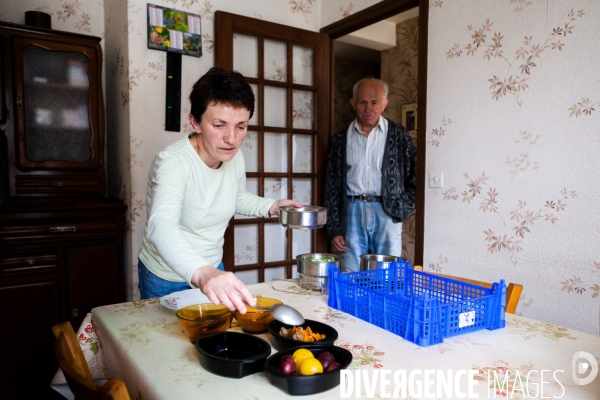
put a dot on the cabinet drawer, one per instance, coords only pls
(57, 185)
(59, 229)
(21, 262)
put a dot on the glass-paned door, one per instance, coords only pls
(286, 146)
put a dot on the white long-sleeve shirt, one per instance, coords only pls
(364, 156)
(189, 206)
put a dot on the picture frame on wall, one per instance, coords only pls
(409, 119)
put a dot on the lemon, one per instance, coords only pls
(310, 366)
(301, 354)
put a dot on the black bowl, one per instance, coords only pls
(303, 385)
(282, 343)
(233, 354)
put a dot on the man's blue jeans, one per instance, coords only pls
(152, 286)
(370, 230)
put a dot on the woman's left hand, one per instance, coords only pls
(274, 210)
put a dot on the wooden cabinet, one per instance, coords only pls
(52, 115)
(61, 241)
(57, 262)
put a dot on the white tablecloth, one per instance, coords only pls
(143, 344)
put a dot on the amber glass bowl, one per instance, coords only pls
(202, 319)
(257, 320)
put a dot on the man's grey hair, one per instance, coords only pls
(383, 83)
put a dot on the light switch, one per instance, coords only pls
(436, 179)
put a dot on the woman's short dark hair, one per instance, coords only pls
(221, 86)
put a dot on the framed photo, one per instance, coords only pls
(409, 119)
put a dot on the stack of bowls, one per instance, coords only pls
(233, 354)
(201, 319)
(377, 261)
(306, 217)
(313, 269)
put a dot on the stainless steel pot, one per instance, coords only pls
(307, 217)
(371, 261)
(314, 269)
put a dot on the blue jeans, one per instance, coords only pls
(152, 286)
(370, 230)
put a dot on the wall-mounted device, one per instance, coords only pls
(178, 33)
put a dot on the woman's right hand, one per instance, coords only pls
(223, 288)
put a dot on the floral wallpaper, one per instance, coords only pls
(134, 82)
(399, 68)
(139, 120)
(72, 16)
(512, 124)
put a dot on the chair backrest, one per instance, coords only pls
(513, 290)
(73, 364)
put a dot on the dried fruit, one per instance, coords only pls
(301, 334)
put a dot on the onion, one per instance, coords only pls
(326, 358)
(287, 365)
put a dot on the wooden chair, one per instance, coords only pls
(513, 290)
(73, 364)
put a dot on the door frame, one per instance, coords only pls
(224, 38)
(369, 16)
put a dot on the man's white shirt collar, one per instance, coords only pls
(380, 124)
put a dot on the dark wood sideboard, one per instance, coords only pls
(61, 239)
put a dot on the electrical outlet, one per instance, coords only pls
(436, 179)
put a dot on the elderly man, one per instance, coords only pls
(370, 179)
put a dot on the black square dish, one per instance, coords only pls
(303, 385)
(282, 343)
(233, 354)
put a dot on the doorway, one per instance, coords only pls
(406, 93)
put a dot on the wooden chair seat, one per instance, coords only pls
(73, 364)
(513, 290)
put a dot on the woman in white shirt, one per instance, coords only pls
(194, 187)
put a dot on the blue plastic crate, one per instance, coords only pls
(422, 308)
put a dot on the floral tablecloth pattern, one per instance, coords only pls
(143, 344)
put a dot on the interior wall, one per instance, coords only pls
(513, 124)
(118, 119)
(135, 80)
(144, 91)
(75, 17)
(399, 69)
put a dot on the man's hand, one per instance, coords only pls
(223, 288)
(338, 244)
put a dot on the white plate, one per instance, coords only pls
(184, 298)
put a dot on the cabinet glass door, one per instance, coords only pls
(56, 100)
(56, 92)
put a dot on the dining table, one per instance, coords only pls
(143, 344)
